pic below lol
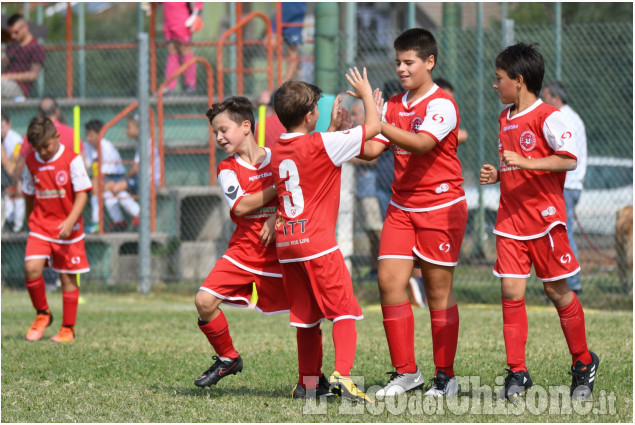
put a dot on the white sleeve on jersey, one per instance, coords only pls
(559, 135)
(344, 145)
(380, 137)
(440, 119)
(79, 176)
(27, 182)
(228, 180)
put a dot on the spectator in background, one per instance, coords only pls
(49, 109)
(23, 61)
(367, 202)
(13, 199)
(449, 88)
(292, 13)
(112, 170)
(273, 126)
(126, 188)
(555, 94)
(180, 21)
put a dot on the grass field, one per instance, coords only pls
(135, 359)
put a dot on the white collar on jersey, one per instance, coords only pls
(57, 155)
(290, 135)
(404, 99)
(251, 167)
(536, 104)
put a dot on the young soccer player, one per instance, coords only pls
(426, 218)
(246, 179)
(307, 174)
(56, 186)
(536, 147)
(112, 170)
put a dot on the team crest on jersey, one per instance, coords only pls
(527, 141)
(415, 124)
(61, 178)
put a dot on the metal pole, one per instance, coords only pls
(412, 15)
(144, 166)
(351, 33)
(230, 87)
(39, 18)
(558, 12)
(81, 53)
(507, 28)
(478, 250)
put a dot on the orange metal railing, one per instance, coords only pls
(280, 58)
(240, 70)
(161, 118)
(124, 112)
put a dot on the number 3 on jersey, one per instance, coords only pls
(293, 199)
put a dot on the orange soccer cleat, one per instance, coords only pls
(66, 334)
(43, 320)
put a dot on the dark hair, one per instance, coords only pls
(238, 108)
(13, 19)
(5, 116)
(444, 84)
(293, 100)
(418, 39)
(40, 130)
(94, 125)
(48, 107)
(523, 59)
(557, 89)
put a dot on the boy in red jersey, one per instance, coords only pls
(536, 148)
(56, 186)
(426, 218)
(246, 179)
(307, 174)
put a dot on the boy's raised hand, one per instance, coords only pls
(379, 101)
(360, 83)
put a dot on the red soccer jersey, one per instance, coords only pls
(238, 179)
(307, 173)
(531, 202)
(53, 184)
(432, 180)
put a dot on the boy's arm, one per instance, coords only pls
(372, 150)
(66, 226)
(252, 202)
(489, 174)
(553, 163)
(364, 91)
(417, 143)
(268, 231)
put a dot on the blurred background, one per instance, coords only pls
(92, 56)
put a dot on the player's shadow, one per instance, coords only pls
(216, 392)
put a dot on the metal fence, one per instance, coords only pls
(190, 219)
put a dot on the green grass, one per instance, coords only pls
(135, 359)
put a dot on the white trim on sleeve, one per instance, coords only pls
(342, 146)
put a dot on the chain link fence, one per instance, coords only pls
(191, 225)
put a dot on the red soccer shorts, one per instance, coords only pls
(434, 236)
(550, 254)
(233, 285)
(320, 288)
(66, 258)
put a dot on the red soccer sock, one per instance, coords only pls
(515, 329)
(70, 301)
(399, 325)
(572, 322)
(217, 333)
(37, 292)
(345, 342)
(445, 337)
(309, 356)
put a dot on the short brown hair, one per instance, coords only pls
(293, 100)
(40, 130)
(419, 40)
(238, 108)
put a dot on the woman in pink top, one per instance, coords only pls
(180, 20)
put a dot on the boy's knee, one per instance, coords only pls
(32, 271)
(205, 303)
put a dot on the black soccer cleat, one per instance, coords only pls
(516, 383)
(583, 378)
(322, 390)
(218, 371)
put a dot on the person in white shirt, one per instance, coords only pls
(112, 170)
(555, 94)
(14, 207)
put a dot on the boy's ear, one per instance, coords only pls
(430, 62)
